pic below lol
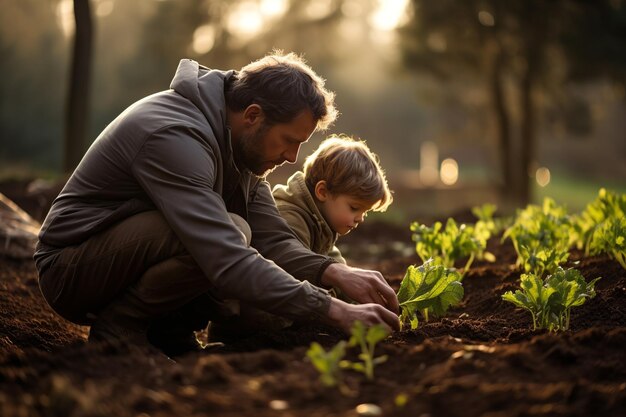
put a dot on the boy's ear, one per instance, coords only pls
(253, 115)
(321, 191)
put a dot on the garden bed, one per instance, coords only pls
(481, 359)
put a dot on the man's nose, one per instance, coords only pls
(291, 155)
(360, 218)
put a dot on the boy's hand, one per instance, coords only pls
(361, 285)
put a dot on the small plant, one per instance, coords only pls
(550, 302)
(366, 339)
(328, 364)
(542, 261)
(607, 205)
(429, 289)
(601, 227)
(610, 238)
(451, 243)
(540, 233)
(484, 214)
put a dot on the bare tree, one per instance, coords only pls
(77, 106)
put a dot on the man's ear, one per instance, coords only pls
(321, 191)
(253, 115)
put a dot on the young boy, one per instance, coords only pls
(340, 183)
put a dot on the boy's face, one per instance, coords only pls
(343, 212)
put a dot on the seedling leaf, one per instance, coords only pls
(430, 289)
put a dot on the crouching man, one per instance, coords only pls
(168, 214)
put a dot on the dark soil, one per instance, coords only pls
(482, 359)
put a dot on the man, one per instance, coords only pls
(168, 215)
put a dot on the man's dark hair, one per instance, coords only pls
(284, 86)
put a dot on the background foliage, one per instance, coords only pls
(503, 88)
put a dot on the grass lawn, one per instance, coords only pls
(574, 193)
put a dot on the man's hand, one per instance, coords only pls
(343, 315)
(361, 285)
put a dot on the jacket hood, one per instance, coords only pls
(204, 87)
(295, 195)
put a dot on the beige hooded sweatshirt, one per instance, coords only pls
(297, 206)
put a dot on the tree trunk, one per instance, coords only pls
(503, 124)
(536, 22)
(527, 134)
(78, 97)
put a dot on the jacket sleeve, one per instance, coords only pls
(275, 240)
(335, 253)
(297, 224)
(177, 170)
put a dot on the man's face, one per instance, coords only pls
(265, 147)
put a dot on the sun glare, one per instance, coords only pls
(319, 9)
(245, 20)
(542, 176)
(449, 172)
(389, 14)
(104, 8)
(486, 19)
(65, 17)
(274, 8)
(203, 39)
(429, 157)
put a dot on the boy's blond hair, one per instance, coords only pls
(349, 167)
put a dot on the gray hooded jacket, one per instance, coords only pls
(171, 152)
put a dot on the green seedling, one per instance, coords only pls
(532, 297)
(542, 233)
(446, 245)
(484, 214)
(430, 289)
(550, 301)
(610, 238)
(570, 290)
(601, 227)
(542, 261)
(588, 225)
(367, 338)
(328, 364)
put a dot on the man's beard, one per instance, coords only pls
(248, 153)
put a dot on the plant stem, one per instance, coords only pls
(619, 258)
(468, 264)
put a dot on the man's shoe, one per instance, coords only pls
(113, 325)
(103, 330)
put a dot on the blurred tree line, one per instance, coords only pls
(523, 52)
(475, 72)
